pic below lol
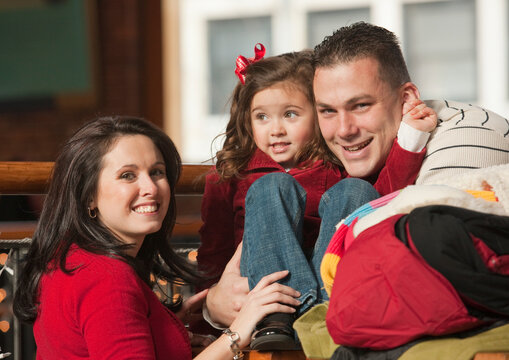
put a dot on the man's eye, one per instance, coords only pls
(362, 106)
(326, 111)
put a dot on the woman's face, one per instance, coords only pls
(133, 192)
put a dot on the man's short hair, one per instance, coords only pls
(363, 40)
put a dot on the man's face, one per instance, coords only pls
(358, 113)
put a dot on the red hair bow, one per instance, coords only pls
(242, 63)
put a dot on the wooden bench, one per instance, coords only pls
(29, 178)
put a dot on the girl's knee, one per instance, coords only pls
(272, 181)
(353, 186)
(274, 185)
(349, 190)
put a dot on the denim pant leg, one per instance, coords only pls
(336, 204)
(275, 206)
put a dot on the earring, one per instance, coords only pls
(92, 213)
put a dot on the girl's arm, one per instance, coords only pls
(217, 232)
(217, 256)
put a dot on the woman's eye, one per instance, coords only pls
(127, 176)
(157, 173)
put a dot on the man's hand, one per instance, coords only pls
(419, 116)
(226, 298)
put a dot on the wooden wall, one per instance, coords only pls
(128, 43)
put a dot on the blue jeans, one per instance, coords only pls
(275, 206)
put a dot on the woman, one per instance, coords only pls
(105, 227)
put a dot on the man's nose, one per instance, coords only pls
(346, 126)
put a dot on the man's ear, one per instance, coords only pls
(409, 92)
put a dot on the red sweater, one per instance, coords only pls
(223, 205)
(104, 311)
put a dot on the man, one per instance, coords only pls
(360, 74)
(361, 85)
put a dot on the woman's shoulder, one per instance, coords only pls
(83, 262)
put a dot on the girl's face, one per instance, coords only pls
(282, 119)
(133, 192)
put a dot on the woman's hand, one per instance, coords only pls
(191, 308)
(267, 297)
(191, 312)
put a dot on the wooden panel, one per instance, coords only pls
(21, 177)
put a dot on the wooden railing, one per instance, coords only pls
(19, 177)
(30, 178)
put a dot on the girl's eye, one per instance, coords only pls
(261, 116)
(127, 176)
(290, 114)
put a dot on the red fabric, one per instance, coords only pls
(223, 205)
(498, 264)
(384, 295)
(104, 311)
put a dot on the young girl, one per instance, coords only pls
(273, 129)
(105, 228)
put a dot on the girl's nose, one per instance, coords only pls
(277, 128)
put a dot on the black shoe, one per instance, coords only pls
(275, 332)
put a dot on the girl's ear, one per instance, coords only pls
(91, 204)
(409, 92)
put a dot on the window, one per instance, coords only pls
(226, 40)
(440, 48)
(323, 23)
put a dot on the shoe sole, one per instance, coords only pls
(274, 342)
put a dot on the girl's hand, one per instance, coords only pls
(419, 116)
(267, 297)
